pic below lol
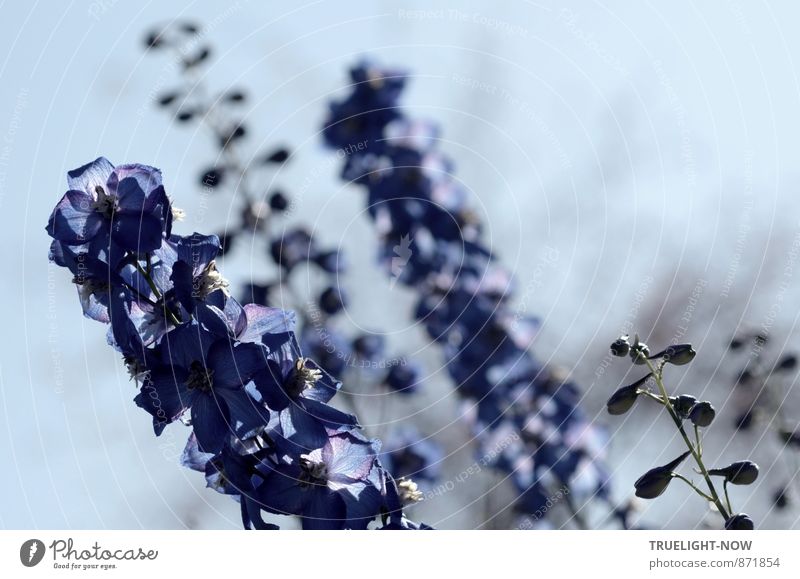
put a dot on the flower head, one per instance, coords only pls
(113, 210)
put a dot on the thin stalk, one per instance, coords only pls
(169, 313)
(695, 454)
(727, 498)
(651, 395)
(699, 442)
(691, 484)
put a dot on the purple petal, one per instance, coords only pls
(281, 493)
(192, 457)
(137, 232)
(133, 184)
(246, 414)
(363, 503)
(164, 396)
(265, 320)
(235, 365)
(329, 416)
(198, 251)
(90, 176)
(324, 510)
(303, 431)
(347, 456)
(74, 221)
(210, 422)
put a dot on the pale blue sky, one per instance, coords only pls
(639, 139)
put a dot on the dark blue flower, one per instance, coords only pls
(299, 391)
(407, 454)
(363, 116)
(293, 248)
(369, 346)
(403, 378)
(113, 209)
(211, 378)
(337, 486)
(327, 345)
(91, 276)
(431, 243)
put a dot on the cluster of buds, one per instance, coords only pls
(761, 386)
(681, 408)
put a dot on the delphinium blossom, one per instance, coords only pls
(249, 175)
(263, 430)
(431, 242)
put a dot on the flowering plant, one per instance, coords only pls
(681, 409)
(431, 242)
(263, 429)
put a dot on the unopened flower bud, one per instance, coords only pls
(702, 414)
(781, 498)
(790, 437)
(788, 362)
(620, 347)
(740, 522)
(622, 400)
(639, 351)
(655, 481)
(742, 472)
(679, 354)
(682, 405)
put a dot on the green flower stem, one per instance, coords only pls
(651, 395)
(727, 498)
(695, 454)
(699, 442)
(146, 274)
(691, 484)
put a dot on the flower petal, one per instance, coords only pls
(265, 320)
(210, 422)
(234, 364)
(164, 396)
(74, 220)
(137, 232)
(90, 176)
